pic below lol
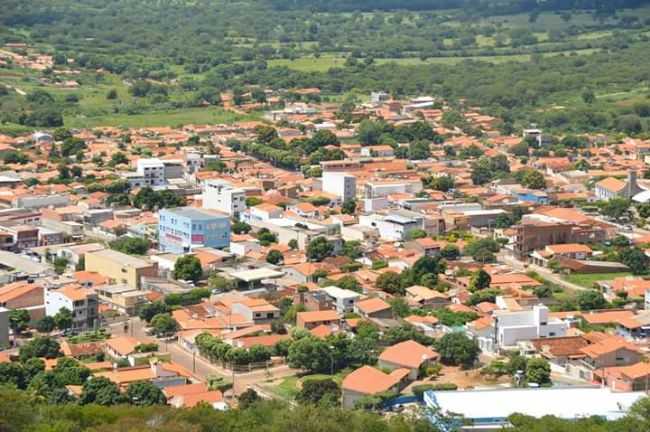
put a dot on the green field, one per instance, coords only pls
(587, 280)
(326, 62)
(158, 119)
(287, 389)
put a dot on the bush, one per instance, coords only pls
(419, 390)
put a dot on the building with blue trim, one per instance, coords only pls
(183, 229)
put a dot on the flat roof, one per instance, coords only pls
(336, 292)
(483, 212)
(566, 403)
(256, 274)
(122, 258)
(21, 263)
(195, 213)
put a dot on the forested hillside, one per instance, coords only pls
(568, 65)
(478, 7)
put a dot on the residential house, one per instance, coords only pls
(160, 374)
(121, 347)
(422, 296)
(511, 328)
(369, 381)
(190, 395)
(373, 308)
(82, 302)
(632, 378)
(343, 300)
(608, 351)
(311, 319)
(557, 251)
(407, 355)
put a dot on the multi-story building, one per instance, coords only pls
(82, 302)
(152, 171)
(342, 185)
(220, 195)
(510, 328)
(343, 300)
(183, 229)
(120, 268)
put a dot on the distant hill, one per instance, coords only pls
(484, 6)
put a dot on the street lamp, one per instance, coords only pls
(331, 353)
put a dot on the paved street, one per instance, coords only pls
(547, 274)
(201, 368)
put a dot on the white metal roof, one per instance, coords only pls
(257, 274)
(567, 403)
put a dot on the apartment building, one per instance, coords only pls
(82, 302)
(222, 196)
(343, 185)
(184, 229)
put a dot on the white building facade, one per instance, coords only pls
(220, 195)
(342, 185)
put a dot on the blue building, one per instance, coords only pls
(180, 230)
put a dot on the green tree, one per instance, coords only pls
(316, 390)
(18, 320)
(241, 228)
(40, 346)
(590, 299)
(538, 371)
(131, 245)
(220, 283)
(247, 398)
(352, 249)
(450, 252)
(147, 311)
(118, 158)
(319, 248)
(45, 324)
(457, 349)
(100, 391)
(635, 259)
(188, 267)
(13, 374)
(390, 282)
(145, 393)
(311, 354)
(534, 179)
(274, 257)
(63, 319)
(629, 123)
(349, 206)
(370, 131)
(482, 171)
(60, 265)
(615, 208)
(164, 324)
(480, 280)
(266, 237)
(441, 183)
